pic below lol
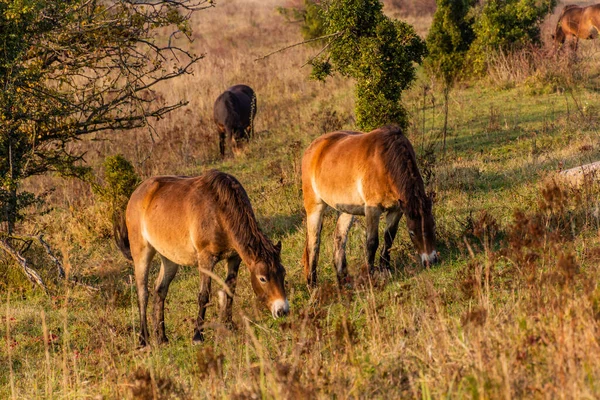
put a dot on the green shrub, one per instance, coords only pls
(375, 50)
(313, 25)
(120, 180)
(449, 39)
(506, 25)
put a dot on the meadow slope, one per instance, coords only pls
(512, 311)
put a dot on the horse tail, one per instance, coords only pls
(120, 233)
(232, 104)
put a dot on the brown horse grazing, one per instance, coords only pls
(578, 23)
(364, 174)
(204, 219)
(234, 113)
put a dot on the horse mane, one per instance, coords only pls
(239, 216)
(399, 157)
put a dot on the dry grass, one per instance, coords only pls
(512, 312)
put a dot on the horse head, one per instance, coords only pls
(421, 228)
(268, 281)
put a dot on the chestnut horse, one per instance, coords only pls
(203, 220)
(234, 113)
(364, 174)
(578, 23)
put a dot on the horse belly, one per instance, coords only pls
(179, 251)
(346, 201)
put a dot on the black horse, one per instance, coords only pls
(234, 115)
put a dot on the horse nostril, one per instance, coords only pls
(280, 308)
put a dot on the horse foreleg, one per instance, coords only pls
(142, 258)
(392, 219)
(225, 300)
(314, 223)
(372, 215)
(168, 270)
(222, 143)
(340, 237)
(206, 262)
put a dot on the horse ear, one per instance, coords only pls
(278, 247)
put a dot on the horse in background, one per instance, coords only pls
(365, 174)
(234, 113)
(576, 22)
(198, 220)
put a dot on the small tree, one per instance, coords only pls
(377, 51)
(120, 180)
(310, 15)
(448, 41)
(506, 25)
(73, 67)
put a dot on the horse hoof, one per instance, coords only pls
(346, 282)
(163, 340)
(198, 338)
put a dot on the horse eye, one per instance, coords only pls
(262, 279)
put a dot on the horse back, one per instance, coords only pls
(176, 216)
(571, 18)
(347, 167)
(235, 107)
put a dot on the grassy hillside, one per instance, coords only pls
(513, 310)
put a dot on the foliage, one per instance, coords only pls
(377, 51)
(71, 68)
(507, 25)
(74, 67)
(310, 14)
(120, 181)
(449, 39)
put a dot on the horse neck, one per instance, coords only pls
(414, 204)
(248, 241)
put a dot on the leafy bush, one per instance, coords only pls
(377, 51)
(506, 25)
(448, 42)
(449, 39)
(120, 181)
(310, 14)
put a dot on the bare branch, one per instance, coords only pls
(31, 274)
(299, 44)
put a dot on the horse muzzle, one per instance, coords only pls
(280, 308)
(430, 259)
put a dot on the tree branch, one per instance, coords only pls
(31, 274)
(299, 44)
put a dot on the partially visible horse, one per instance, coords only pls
(577, 23)
(234, 113)
(364, 174)
(198, 220)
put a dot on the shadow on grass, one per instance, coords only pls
(281, 224)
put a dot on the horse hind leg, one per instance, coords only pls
(225, 300)
(222, 143)
(314, 224)
(392, 219)
(168, 270)
(142, 258)
(340, 238)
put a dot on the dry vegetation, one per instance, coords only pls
(513, 311)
